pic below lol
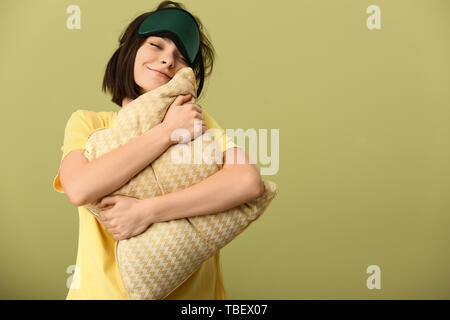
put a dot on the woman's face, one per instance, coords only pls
(157, 54)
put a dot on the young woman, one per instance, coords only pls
(140, 64)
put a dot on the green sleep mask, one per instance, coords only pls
(176, 24)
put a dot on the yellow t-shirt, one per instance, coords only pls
(96, 274)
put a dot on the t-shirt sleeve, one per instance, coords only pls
(224, 141)
(78, 128)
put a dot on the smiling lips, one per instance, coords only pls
(160, 73)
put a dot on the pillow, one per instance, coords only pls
(156, 262)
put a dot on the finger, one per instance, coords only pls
(197, 108)
(181, 99)
(108, 201)
(102, 221)
(102, 216)
(117, 236)
(178, 101)
(198, 116)
(110, 228)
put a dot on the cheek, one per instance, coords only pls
(141, 58)
(140, 70)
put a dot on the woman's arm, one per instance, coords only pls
(85, 182)
(233, 185)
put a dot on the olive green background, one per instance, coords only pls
(364, 146)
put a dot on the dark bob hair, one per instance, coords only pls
(119, 74)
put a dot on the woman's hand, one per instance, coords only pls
(127, 218)
(181, 114)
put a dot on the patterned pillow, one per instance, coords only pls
(159, 260)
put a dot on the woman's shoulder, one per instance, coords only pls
(95, 119)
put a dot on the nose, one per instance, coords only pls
(167, 58)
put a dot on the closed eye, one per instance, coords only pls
(161, 48)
